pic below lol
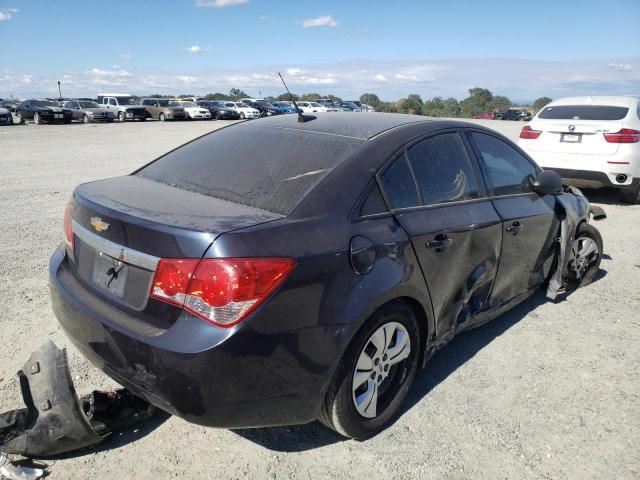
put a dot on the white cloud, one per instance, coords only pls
(187, 80)
(402, 76)
(294, 71)
(321, 21)
(621, 67)
(263, 18)
(125, 56)
(114, 73)
(379, 77)
(6, 14)
(195, 49)
(220, 3)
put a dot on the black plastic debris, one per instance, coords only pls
(55, 420)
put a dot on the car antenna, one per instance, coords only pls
(301, 118)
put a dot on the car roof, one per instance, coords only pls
(613, 101)
(363, 126)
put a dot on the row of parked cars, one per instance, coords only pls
(510, 114)
(109, 107)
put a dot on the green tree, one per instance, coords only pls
(307, 97)
(500, 103)
(388, 107)
(217, 96)
(412, 104)
(451, 107)
(370, 99)
(236, 93)
(333, 98)
(540, 103)
(478, 101)
(285, 97)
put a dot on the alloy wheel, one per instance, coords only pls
(381, 369)
(584, 252)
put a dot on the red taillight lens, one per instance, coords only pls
(529, 133)
(222, 291)
(626, 135)
(68, 225)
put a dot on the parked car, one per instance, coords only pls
(304, 273)
(124, 106)
(194, 111)
(284, 107)
(350, 107)
(41, 111)
(219, 110)
(361, 106)
(5, 116)
(264, 107)
(243, 109)
(512, 114)
(485, 116)
(591, 142)
(89, 111)
(330, 104)
(164, 109)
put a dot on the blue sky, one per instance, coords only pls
(516, 48)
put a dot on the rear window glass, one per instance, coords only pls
(583, 112)
(267, 168)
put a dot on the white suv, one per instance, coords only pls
(591, 142)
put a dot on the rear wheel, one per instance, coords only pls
(36, 118)
(631, 196)
(85, 118)
(585, 256)
(19, 119)
(375, 374)
(121, 117)
(162, 117)
(242, 117)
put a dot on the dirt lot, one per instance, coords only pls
(550, 390)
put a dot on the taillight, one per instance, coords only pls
(529, 133)
(222, 291)
(68, 226)
(626, 135)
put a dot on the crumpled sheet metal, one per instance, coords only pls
(10, 471)
(568, 227)
(55, 420)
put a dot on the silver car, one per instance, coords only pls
(88, 111)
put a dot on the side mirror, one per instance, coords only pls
(547, 183)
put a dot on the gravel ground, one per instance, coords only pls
(549, 390)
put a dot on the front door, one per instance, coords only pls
(529, 224)
(436, 193)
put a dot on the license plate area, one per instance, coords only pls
(110, 275)
(571, 138)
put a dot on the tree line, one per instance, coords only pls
(480, 100)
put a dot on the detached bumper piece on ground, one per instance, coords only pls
(55, 420)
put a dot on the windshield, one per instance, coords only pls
(314, 104)
(126, 101)
(230, 105)
(43, 103)
(168, 103)
(88, 105)
(584, 112)
(265, 104)
(189, 104)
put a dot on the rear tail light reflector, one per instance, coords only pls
(221, 291)
(529, 133)
(626, 135)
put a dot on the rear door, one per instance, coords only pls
(435, 191)
(529, 222)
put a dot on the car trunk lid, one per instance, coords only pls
(584, 137)
(123, 226)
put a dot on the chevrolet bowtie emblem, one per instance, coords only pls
(98, 224)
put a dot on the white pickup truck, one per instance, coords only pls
(124, 106)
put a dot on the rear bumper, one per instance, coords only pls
(592, 179)
(238, 377)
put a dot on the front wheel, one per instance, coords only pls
(585, 256)
(121, 117)
(375, 374)
(85, 118)
(36, 118)
(242, 117)
(162, 117)
(631, 196)
(19, 119)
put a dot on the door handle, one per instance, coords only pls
(440, 242)
(514, 228)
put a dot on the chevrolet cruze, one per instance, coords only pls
(281, 271)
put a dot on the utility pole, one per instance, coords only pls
(59, 91)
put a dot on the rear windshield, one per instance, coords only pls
(262, 167)
(584, 112)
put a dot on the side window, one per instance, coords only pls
(507, 171)
(112, 101)
(373, 203)
(398, 184)
(443, 169)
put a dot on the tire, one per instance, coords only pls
(581, 271)
(218, 116)
(121, 117)
(631, 196)
(388, 382)
(162, 117)
(19, 119)
(242, 117)
(85, 118)
(36, 119)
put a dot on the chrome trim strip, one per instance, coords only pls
(124, 254)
